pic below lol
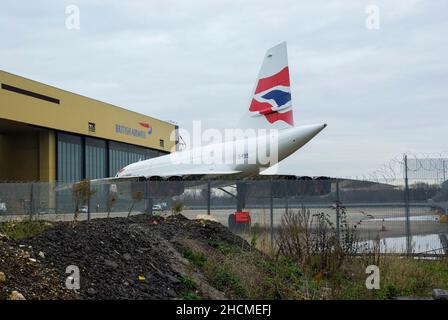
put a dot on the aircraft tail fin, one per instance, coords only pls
(270, 105)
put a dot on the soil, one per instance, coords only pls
(28, 276)
(140, 257)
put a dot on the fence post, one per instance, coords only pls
(241, 188)
(146, 196)
(56, 196)
(88, 204)
(271, 207)
(31, 201)
(209, 195)
(338, 214)
(149, 200)
(406, 207)
(444, 170)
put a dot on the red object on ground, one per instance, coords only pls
(242, 216)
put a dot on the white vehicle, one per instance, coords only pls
(270, 108)
(163, 205)
(3, 207)
(157, 207)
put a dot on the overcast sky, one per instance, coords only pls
(382, 92)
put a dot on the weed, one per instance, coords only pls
(224, 280)
(197, 258)
(188, 282)
(224, 248)
(177, 207)
(191, 296)
(24, 229)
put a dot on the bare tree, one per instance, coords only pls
(81, 195)
(137, 196)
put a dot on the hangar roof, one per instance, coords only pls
(31, 102)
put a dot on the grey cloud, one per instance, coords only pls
(381, 92)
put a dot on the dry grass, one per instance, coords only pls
(309, 263)
(24, 229)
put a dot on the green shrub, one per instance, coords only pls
(188, 283)
(225, 248)
(224, 280)
(24, 229)
(191, 296)
(391, 291)
(177, 207)
(197, 258)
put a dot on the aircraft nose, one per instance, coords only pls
(318, 127)
(293, 139)
(301, 135)
(310, 131)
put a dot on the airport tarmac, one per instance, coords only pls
(370, 222)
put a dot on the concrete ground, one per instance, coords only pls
(371, 222)
(369, 228)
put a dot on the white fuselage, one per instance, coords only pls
(241, 158)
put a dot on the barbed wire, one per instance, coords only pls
(431, 168)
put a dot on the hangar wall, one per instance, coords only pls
(35, 103)
(49, 134)
(19, 163)
(47, 160)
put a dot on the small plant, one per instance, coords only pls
(188, 283)
(312, 241)
(110, 203)
(191, 296)
(391, 291)
(81, 195)
(224, 247)
(137, 196)
(197, 258)
(112, 198)
(255, 235)
(24, 229)
(224, 280)
(177, 207)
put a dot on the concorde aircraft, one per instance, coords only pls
(270, 108)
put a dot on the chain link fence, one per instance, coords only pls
(407, 214)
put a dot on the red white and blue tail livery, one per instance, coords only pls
(271, 98)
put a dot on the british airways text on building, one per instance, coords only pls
(130, 131)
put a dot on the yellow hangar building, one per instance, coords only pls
(49, 134)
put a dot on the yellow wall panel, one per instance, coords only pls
(74, 113)
(47, 157)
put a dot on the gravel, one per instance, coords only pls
(122, 258)
(25, 277)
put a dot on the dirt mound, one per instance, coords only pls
(126, 258)
(21, 272)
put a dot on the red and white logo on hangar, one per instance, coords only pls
(147, 126)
